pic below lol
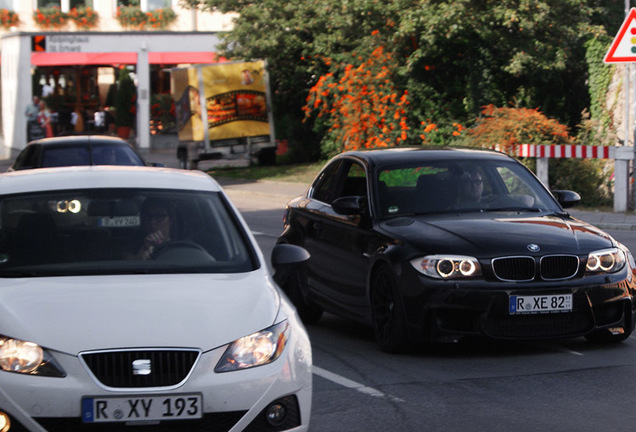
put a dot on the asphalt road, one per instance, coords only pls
(568, 385)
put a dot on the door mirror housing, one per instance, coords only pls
(349, 205)
(566, 198)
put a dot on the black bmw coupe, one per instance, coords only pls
(438, 244)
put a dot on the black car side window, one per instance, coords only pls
(28, 157)
(355, 184)
(324, 188)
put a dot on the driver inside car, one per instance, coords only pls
(157, 224)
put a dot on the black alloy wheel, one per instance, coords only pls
(389, 325)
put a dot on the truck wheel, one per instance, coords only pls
(267, 156)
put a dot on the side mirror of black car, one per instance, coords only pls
(566, 198)
(287, 254)
(349, 205)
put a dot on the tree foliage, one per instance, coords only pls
(450, 58)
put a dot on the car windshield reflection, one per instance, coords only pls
(120, 231)
(460, 187)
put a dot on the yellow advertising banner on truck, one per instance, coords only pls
(224, 105)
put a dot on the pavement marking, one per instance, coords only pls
(346, 382)
(558, 348)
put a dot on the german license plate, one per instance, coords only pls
(141, 408)
(540, 304)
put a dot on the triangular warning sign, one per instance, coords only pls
(623, 48)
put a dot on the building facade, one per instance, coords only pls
(70, 52)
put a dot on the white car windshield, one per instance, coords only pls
(120, 231)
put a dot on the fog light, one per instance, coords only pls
(5, 423)
(275, 414)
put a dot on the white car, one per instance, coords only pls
(136, 298)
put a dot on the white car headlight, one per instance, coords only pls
(605, 261)
(27, 357)
(256, 349)
(447, 266)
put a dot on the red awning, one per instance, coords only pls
(68, 58)
(182, 57)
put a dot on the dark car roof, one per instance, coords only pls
(63, 151)
(405, 154)
(79, 140)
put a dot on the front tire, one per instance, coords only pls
(387, 314)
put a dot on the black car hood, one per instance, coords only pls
(497, 234)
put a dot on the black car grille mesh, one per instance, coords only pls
(166, 367)
(524, 268)
(538, 325)
(559, 266)
(514, 268)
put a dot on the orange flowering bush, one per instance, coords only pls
(50, 18)
(8, 18)
(84, 17)
(505, 127)
(360, 104)
(134, 18)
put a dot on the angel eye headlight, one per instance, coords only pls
(256, 349)
(447, 266)
(605, 261)
(27, 358)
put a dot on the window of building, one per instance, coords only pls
(157, 4)
(6, 4)
(80, 3)
(64, 5)
(40, 4)
(146, 5)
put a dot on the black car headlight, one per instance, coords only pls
(605, 261)
(257, 349)
(447, 266)
(27, 358)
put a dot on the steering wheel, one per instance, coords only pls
(168, 246)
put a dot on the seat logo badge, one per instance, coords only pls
(141, 367)
(533, 247)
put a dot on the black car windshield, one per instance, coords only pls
(453, 186)
(120, 231)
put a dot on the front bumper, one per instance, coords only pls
(232, 401)
(448, 311)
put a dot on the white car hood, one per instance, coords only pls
(74, 314)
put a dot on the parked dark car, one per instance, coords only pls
(77, 150)
(439, 244)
